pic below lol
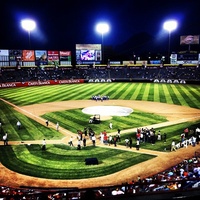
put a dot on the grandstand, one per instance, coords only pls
(149, 73)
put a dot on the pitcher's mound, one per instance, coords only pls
(108, 110)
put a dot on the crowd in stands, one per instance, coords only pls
(191, 73)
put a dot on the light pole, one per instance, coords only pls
(28, 25)
(170, 26)
(102, 28)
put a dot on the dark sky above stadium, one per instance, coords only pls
(63, 23)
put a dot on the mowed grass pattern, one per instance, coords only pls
(64, 162)
(185, 95)
(75, 119)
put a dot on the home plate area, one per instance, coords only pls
(106, 112)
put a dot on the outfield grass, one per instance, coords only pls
(185, 95)
(54, 163)
(64, 162)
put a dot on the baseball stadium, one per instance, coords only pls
(99, 132)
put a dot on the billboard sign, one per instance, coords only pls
(28, 55)
(88, 52)
(189, 39)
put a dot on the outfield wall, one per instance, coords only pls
(78, 81)
(39, 83)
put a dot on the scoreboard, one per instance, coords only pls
(185, 58)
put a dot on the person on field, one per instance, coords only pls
(138, 144)
(18, 125)
(118, 135)
(71, 141)
(110, 125)
(173, 146)
(57, 126)
(84, 142)
(115, 141)
(126, 142)
(93, 140)
(130, 143)
(79, 145)
(5, 139)
(44, 145)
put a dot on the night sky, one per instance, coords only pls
(63, 23)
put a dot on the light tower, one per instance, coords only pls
(102, 28)
(28, 25)
(170, 26)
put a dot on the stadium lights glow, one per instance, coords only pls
(102, 28)
(28, 25)
(170, 26)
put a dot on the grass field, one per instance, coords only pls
(59, 160)
(185, 95)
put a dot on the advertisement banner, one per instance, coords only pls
(189, 39)
(41, 57)
(4, 52)
(15, 55)
(39, 83)
(53, 58)
(4, 56)
(28, 55)
(65, 55)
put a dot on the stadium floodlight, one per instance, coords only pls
(170, 26)
(28, 25)
(102, 28)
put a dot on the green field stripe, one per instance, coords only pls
(62, 92)
(184, 95)
(119, 90)
(111, 89)
(66, 92)
(194, 96)
(174, 97)
(145, 95)
(156, 92)
(121, 121)
(141, 93)
(151, 92)
(31, 95)
(167, 93)
(87, 91)
(136, 91)
(162, 93)
(130, 96)
(69, 115)
(179, 95)
(100, 89)
(127, 91)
